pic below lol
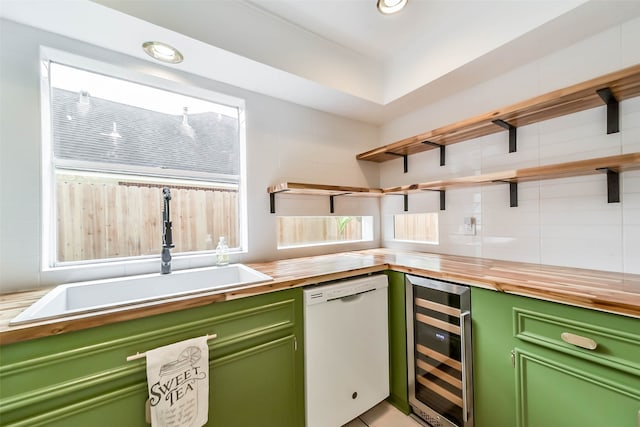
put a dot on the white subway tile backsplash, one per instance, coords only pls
(511, 233)
(592, 186)
(461, 160)
(588, 147)
(583, 252)
(585, 230)
(510, 223)
(631, 139)
(631, 217)
(497, 195)
(514, 248)
(495, 150)
(630, 124)
(631, 247)
(629, 114)
(578, 228)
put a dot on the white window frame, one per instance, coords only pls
(49, 220)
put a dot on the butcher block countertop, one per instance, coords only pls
(617, 293)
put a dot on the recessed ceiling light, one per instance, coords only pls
(391, 6)
(162, 52)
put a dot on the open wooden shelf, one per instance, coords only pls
(605, 90)
(609, 166)
(600, 165)
(319, 189)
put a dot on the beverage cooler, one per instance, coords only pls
(439, 352)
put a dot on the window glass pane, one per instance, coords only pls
(111, 216)
(102, 119)
(115, 144)
(421, 227)
(318, 230)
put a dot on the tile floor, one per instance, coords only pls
(384, 415)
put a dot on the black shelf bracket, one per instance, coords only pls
(442, 150)
(613, 110)
(331, 202)
(613, 185)
(272, 200)
(513, 147)
(443, 204)
(513, 193)
(406, 160)
(405, 199)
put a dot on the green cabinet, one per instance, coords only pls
(528, 375)
(83, 378)
(398, 388)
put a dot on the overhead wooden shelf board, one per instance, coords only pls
(617, 163)
(327, 190)
(623, 84)
(319, 189)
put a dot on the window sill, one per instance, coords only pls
(106, 269)
(312, 245)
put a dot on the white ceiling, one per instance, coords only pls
(340, 56)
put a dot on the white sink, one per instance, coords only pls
(82, 297)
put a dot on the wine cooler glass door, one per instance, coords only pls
(440, 320)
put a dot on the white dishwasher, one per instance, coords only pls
(346, 349)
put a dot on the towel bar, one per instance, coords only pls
(144, 354)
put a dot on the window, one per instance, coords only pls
(421, 227)
(114, 144)
(296, 231)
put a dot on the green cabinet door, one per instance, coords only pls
(527, 375)
(493, 372)
(558, 391)
(256, 387)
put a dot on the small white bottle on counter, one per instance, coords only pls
(222, 252)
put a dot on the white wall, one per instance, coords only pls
(560, 222)
(284, 142)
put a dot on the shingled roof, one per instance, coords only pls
(147, 138)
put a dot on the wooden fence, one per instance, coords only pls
(298, 230)
(106, 220)
(422, 227)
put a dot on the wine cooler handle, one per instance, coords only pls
(465, 365)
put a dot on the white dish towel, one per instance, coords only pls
(178, 382)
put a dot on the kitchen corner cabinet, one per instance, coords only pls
(83, 378)
(398, 387)
(527, 375)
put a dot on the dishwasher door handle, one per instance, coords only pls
(352, 297)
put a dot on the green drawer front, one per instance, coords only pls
(616, 348)
(52, 372)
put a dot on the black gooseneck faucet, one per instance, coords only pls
(167, 236)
